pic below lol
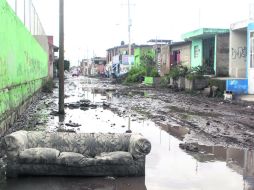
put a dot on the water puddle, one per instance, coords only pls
(167, 166)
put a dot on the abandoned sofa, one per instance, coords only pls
(71, 154)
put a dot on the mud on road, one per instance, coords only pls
(204, 120)
(94, 105)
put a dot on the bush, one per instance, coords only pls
(153, 73)
(136, 74)
(164, 81)
(196, 73)
(177, 72)
(147, 61)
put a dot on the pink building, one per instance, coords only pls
(51, 54)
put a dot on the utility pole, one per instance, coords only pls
(16, 7)
(199, 18)
(129, 32)
(61, 57)
(25, 12)
(30, 12)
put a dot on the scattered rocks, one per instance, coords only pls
(189, 147)
(105, 105)
(54, 113)
(74, 105)
(84, 108)
(72, 124)
(110, 178)
(85, 101)
(93, 106)
(65, 130)
(128, 131)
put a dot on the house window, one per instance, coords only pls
(252, 50)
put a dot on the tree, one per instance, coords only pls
(148, 62)
(66, 64)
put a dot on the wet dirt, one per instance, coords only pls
(218, 135)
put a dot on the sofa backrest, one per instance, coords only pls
(88, 144)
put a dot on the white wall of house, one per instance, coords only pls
(238, 53)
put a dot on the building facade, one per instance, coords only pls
(241, 61)
(210, 49)
(118, 60)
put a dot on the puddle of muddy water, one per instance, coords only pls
(167, 166)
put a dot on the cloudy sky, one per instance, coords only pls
(92, 26)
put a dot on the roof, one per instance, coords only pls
(122, 46)
(144, 46)
(160, 41)
(203, 33)
(241, 25)
(180, 43)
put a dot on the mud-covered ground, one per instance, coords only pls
(98, 105)
(210, 121)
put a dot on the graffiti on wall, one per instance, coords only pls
(23, 62)
(196, 51)
(238, 53)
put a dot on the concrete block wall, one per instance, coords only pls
(165, 60)
(222, 55)
(196, 84)
(185, 53)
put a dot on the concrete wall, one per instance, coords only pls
(222, 55)
(196, 53)
(23, 62)
(185, 53)
(165, 60)
(238, 54)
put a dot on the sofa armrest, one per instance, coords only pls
(15, 143)
(139, 146)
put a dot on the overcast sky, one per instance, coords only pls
(92, 26)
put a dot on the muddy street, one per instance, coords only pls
(197, 142)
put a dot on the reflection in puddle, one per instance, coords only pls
(75, 183)
(167, 166)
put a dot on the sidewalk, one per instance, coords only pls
(247, 98)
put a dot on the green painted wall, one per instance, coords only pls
(23, 62)
(196, 53)
(137, 57)
(138, 52)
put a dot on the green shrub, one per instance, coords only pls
(136, 74)
(196, 73)
(178, 71)
(154, 73)
(164, 81)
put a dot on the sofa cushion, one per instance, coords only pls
(84, 143)
(39, 155)
(139, 146)
(16, 141)
(70, 158)
(117, 157)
